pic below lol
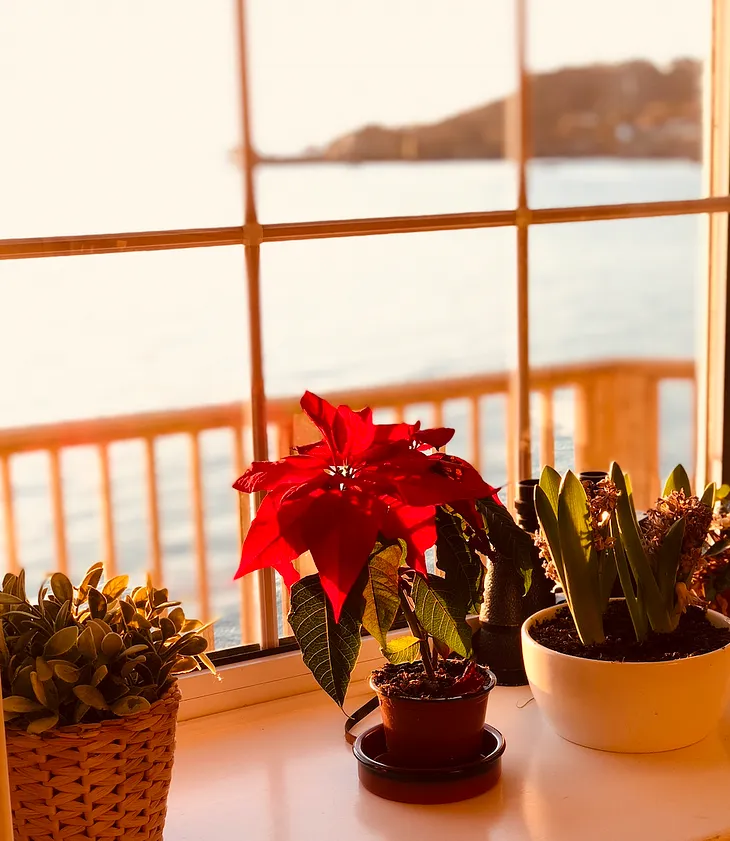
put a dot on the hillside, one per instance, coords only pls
(633, 109)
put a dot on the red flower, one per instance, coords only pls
(363, 481)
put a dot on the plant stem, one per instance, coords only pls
(416, 629)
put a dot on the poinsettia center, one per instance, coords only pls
(346, 470)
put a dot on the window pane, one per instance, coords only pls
(613, 316)
(369, 312)
(617, 100)
(117, 117)
(404, 88)
(90, 336)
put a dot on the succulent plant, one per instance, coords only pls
(84, 654)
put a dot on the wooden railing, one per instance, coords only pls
(616, 416)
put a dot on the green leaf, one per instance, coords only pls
(633, 601)
(505, 535)
(91, 696)
(39, 689)
(678, 480)
(550, 485)
(329, 649)
(718, 548)
(87, 645)
(19, 704)
(667, 563)
(463, 568)
(114, 587)
(62, 587)
(722, 492)
(9, 598)
(440, 614)
(45, 672)
(40, 725)
(402, 650)
(381, 591)
(580, 560)
(97, 603)
(708, 495)
(111, 645)
(659, 618)
(178, 617)
(130, 705)
(547, 516)
(92, 578)
(526, 580)
(61, 642)
(67, 672)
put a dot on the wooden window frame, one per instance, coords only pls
(713, 444)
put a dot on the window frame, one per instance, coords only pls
(284, 672)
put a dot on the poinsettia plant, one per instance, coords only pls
(368, 501)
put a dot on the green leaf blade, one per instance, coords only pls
(440, 614)
(462, 567)
(329, 649)
(381, 592)
(678, 480)
(580, 560)
(403, 650)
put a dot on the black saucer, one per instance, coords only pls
(427, 785)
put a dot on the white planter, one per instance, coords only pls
(628, 707)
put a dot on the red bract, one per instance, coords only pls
(362, 482)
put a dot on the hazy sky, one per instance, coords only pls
(121, 115)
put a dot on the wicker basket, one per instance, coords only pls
(95, 781)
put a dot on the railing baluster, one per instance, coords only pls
(475, 427)
(249, 598)
(201, 559)
(107, 515)
(399, 413)
(547, 427)
(511, 417)
(59, 518)
(438, 413)
(11, 542)
(153, 513)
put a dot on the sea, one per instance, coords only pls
(90, 336)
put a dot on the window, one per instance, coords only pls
(435, 219)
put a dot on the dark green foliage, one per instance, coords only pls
(84, 654)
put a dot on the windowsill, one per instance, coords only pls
(281, 771)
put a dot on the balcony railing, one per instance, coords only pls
(615, 416)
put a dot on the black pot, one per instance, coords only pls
(506, 606)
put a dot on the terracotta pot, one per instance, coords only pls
(628, 707)
(435, 732)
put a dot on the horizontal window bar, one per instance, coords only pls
(15, 249)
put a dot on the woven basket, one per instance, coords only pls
(95, 781)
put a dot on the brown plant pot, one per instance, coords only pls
(435, 732)
(107, 781)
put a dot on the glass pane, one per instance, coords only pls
(85, 337)
(613, 312)
(118, 117)
(617, 100)
(422, 312)
(368, 312)
(411, 94)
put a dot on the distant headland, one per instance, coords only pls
(629, 110)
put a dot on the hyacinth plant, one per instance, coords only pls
(590, 533)
(368, 501)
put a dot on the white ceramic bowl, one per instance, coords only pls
(628, 707)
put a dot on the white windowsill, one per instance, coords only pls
(281, 771)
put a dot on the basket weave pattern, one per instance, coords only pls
(106, 781)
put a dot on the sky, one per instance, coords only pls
(138, 100)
